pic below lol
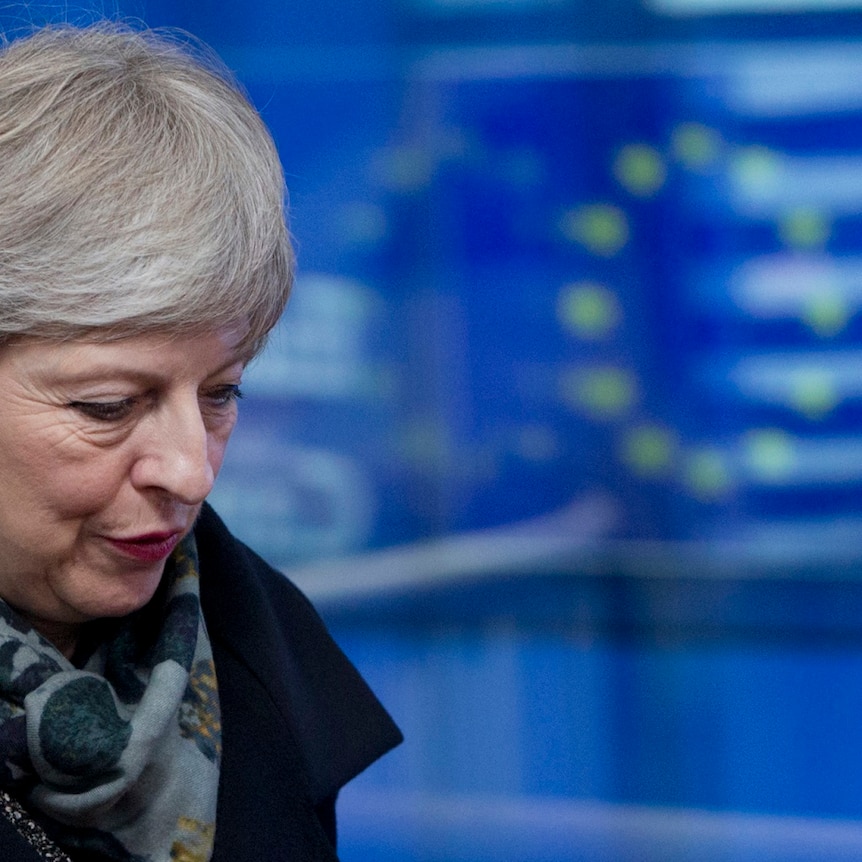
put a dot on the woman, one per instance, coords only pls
(164, 694)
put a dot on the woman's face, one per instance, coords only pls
(107, 451)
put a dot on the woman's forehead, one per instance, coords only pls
(205, 352)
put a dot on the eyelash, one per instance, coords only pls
(104, 411)
(224, 395)
(116, 411)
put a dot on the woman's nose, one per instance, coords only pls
(176, 454)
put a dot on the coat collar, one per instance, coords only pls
(272, 629)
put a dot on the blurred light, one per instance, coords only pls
(756, 172)
(814, 393)
(774, 457)
(474, 5)
(601, 228)
(640, 169)
(707, 474)
(823, 292)
(320, 347)
(713, 7)
(804, 228)
(815, 538)
(696, 146)
(404, 169)
(426, 443)
(605, 392)
(827, 315)
(767, 183)
(770, 453)
(649, 449)
(590, 311)
(800, 381)
(799, 79)
(363, 223)
(296, 501)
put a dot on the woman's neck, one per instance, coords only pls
(64, 636)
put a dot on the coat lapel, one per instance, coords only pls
(291, 701)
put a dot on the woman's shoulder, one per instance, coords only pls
(266, 623)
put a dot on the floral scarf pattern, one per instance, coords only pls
(118, 757)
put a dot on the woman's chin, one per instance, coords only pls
(108, 598)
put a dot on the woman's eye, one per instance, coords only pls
(104, 411)
(222, 396)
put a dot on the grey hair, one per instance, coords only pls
(139, 190)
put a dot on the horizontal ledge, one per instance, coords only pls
(487, 828)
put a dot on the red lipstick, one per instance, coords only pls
(149, 548)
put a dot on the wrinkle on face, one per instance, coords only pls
(68, 480)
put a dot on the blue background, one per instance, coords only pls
(562, 430)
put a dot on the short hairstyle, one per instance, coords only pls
(139, 190)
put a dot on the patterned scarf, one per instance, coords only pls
(119, 758)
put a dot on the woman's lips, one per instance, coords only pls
(150, 548)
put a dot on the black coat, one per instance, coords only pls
(298, 722)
